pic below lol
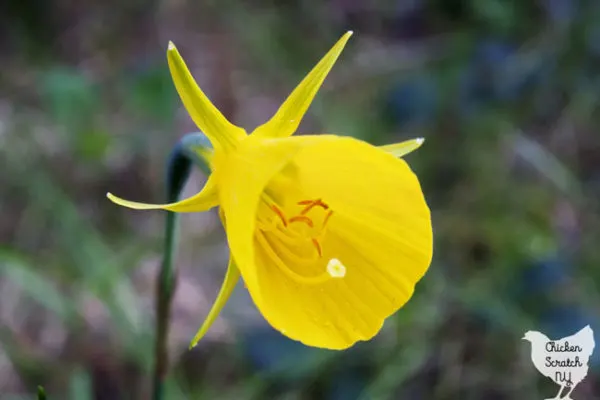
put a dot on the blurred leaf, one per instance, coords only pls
(153, 94)
(99, 271)
(41, 393)
(495, 13)
(547, 164)
(36, 285)
(73, 102)
(70, 96)
(80, 385)
(93, 144)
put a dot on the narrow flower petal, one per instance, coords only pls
(285, 122)
(231, 278)
(403, 148)
(206, 199)
(220, 132)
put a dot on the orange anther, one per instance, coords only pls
(318, 202)
(279, 213)
(302, 218)
(315, 242)
(312, 203)
(307, 208)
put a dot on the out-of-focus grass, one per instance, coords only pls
(506, 96)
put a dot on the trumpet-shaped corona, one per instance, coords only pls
(330, 234)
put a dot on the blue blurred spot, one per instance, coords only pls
(348, 384)
(482, 81)
(413, 102)
(474, 93)
(491, 52)
(497, 72)
(561, 10)
(271, 352)
(544, 274)
(593, 40)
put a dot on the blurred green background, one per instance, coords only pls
(506, 93)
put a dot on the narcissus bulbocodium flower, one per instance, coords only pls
(329, 233)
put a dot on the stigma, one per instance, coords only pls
(335, 268)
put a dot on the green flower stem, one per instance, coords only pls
(41, 393)
(178, 171)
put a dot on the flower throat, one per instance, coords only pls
(294, 243)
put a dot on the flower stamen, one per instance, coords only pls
(302, 218)
(279, 213)
(310, 204)
(278, 242)
(315, 243)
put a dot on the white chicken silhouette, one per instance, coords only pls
(565, 361)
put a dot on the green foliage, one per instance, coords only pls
(41, 393)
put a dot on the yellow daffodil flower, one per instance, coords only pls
(330, 234)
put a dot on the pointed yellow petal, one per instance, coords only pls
(231, 278)
(403, 148)
(202, 201)
(286, 120)
(220, 132)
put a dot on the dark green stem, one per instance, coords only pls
(41, 393)
(178, 171)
